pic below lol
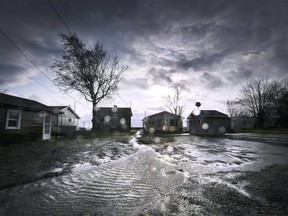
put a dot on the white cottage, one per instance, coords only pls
(66, 121)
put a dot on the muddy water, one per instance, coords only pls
(211, 155)
(128, 186)
(219, 161)
(145, 180)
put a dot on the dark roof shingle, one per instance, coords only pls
(162, 113)
(110, 110)
(23, 103)
(210, 114)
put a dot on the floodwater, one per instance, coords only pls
(141, 182)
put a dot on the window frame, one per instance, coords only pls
(172, 122)
(19, 112)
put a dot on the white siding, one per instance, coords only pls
(67, 119)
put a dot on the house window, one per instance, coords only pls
(13, 119)
(159, 123)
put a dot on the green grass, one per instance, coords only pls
(266, 131)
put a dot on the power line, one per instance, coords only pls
(11, 41)
(39, 82)
(28, 76)
(59, 16)
(122, 99)
(14, 44)
(62, 20)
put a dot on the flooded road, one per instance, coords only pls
(209, 155)
(130, 185)
(165, 178)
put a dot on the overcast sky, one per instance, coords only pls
(208, 46)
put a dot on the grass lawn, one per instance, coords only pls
(23, 162)
(265, 131)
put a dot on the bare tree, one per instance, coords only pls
(235, 108)
(278, 95)
(88, 70)
(255, 98)
(173, 102)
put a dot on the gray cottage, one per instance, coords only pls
(113, 119)
(163, 122)
(23, 119)
(208, 122)
(242, 122)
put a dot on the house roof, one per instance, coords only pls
(162, 113)
(11, 101)
(59, 109)
(124, 111)
(210, 114)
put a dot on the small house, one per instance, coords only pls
(113, 119)
(23, 119)
(65, 122)
(208, 122)
(163, 122)
(242, 122)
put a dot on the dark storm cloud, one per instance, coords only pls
(211, 82)
(206, 60)
(8, 72)
(280, 55)
(193, 35)
(34, 30)
(235, 76)
(237, 30)
(160, 76)
(135, 83)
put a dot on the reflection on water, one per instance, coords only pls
(212, 155)
(143, 180)
(121, 187)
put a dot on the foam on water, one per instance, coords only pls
(121, 187)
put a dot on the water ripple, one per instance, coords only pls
(121, 187)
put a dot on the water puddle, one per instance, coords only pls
(121, 187)
(147, 179)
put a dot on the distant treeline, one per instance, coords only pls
(265, 100)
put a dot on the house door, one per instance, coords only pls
(114, 122)
(47, 126)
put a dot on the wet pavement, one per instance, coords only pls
(182, 175)
(273, 139)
